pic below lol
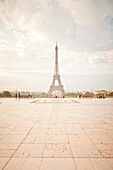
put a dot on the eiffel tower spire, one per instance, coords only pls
(56, 60)
(56, 77)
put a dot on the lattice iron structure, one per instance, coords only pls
(56, 77)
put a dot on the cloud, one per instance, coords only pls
(29, 29)
(82, 25)
(105, 58)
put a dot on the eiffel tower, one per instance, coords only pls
(56, 77)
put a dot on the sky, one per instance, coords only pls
(29, 30)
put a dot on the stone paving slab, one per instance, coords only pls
(56, 134)
(60, 100)
(3, 162)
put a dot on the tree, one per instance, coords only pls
(6, 94)
(106, 95)
(1, 95)
(111, 94)
(89, 94)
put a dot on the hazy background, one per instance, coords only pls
(29, 30)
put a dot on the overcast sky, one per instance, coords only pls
(29, 30)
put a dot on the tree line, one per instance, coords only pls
(27, 94)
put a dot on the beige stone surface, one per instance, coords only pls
(12, 139)
(29, 150)
(57, 151)
(101, 164)
(23, 164)
(57, 139)
(3, 162)
(84, 164)
(56, 134)
(30, 139)
(6, 153)
(9, 146)
(85, 150)
(14, 164)
(57, 164)
(57, 131)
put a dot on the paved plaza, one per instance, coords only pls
(56, 134)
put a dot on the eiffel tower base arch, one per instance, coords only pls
(56, 88)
